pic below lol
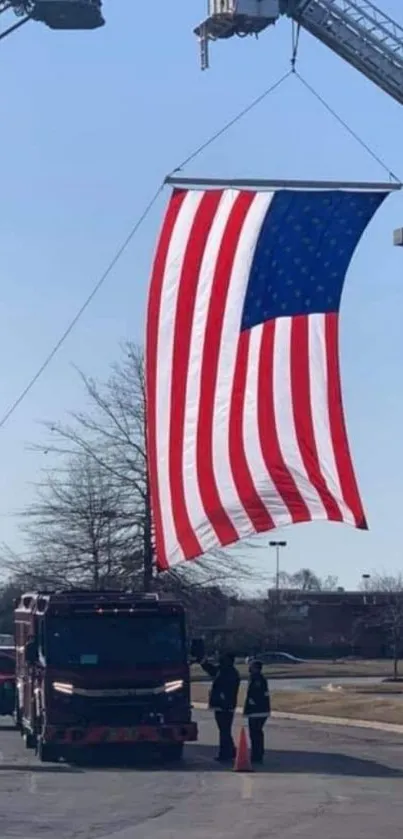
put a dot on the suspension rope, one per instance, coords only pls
(122, 248)
(347, 127)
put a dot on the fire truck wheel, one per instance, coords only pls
(173, 752)
(46, 752)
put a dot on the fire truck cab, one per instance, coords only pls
(101, 669)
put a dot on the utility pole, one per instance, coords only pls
(277, 545)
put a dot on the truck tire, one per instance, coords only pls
(46, 752)
(173, 753)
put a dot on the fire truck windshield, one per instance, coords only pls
(111, 640)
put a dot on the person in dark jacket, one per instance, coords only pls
(257, 709)
(222, 700)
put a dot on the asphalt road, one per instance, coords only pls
(319, 781)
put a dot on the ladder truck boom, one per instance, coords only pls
(356, 30)
(361, 34)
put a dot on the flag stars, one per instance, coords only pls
(303, 250)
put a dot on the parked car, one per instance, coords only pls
(274, 656)
(7, 683)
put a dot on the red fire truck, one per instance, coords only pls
(101, 668)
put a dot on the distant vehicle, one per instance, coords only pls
(276, 656)
(7, 684)
(6, 640)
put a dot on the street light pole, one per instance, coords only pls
(277, 545)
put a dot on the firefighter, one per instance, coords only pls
(257, 709)
(222, 700)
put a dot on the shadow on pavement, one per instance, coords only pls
(320, 763)
(39, 768)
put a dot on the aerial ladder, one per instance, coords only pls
(356, 30)
(57, 14)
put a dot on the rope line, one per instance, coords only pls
(231, 122)
(80, 311)
(119, 253)
(347, 127)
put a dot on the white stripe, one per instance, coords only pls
(284, 418)
(231, 327)
(197, 516)
(166, 329)
(265, 487)
(320, 412)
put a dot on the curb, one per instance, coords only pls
(313, 718)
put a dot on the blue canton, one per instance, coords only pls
(303, 252)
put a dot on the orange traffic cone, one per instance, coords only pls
(242, 760)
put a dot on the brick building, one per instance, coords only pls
(338, 622)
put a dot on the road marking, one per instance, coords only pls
(247, 787)
(32, 784)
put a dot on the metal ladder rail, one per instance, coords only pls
(358, 45)
(379, 26)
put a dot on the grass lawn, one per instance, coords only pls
(310, 669)
(347, 703)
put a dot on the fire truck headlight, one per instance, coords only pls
(171, 687)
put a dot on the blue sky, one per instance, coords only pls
(91, 122)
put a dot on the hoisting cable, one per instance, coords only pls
(123, 247)
(347, 127)
(231, 122)
(14, 27)
(80, 311)
(295, 33)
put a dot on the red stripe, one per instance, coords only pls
(302, 410)
(269, 442)
(246, 489)
(152, 351)
(215, 512)
(337, 424)
(180, 363)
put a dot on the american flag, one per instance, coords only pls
(245, 425)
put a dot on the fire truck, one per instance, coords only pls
(100, 669)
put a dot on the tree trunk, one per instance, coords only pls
(148, 570)
(395, 662)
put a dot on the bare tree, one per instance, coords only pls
(109, 440)
(388, 611)
(307, 580)
(77, 530)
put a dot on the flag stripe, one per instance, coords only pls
(248, 495)
(183, 329)
(320, 386)
(264, 475)
(152, 359)
(214, 509)
(165, 370)
(302, 408)
(282, 476)
(231, 327)
(284, 418)
(205, 534)
(337, 424)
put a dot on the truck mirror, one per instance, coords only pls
(197, 649)
(31, 653)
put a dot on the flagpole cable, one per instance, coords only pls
(104, 276)
(347, 127)
(237, 118)
(123, 247)
(295, 40)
